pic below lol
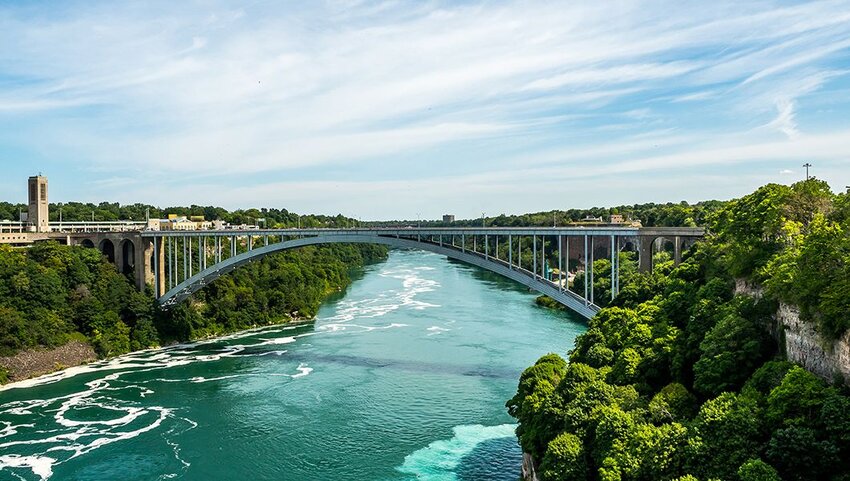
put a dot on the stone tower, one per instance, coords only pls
(38, 203)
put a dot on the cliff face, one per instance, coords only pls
(529, 472)
(803, 344)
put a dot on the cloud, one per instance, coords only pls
(342, 91)
(784, 121)
(786, 172)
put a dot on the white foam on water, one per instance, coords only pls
(10, 429)
(303, 370)
(41, 466)
(439, 460)
(200, 379)
(434, 330)
(276, 340)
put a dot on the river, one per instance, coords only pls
(402, 377)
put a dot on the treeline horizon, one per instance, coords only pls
(673, 214)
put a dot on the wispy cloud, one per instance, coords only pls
(405, 91)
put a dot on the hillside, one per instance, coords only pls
(680, 378)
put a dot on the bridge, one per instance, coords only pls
(177, 263)
(185, 261)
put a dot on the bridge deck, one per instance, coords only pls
(433, 231)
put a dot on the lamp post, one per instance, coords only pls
(807, 165)
(483, 219)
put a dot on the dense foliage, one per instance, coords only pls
(50, 293)
(678, 377)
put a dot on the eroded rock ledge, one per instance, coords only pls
(803, 344)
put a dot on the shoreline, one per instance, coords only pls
(54, 355)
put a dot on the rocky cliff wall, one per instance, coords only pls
(803, 344)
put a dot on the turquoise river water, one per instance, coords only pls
(402, 377)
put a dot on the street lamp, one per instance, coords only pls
(483, 219)
(807, 165)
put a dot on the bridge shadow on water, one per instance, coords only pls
(497, 459)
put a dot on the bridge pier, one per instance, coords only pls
(645, 254)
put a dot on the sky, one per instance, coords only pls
(393, 109)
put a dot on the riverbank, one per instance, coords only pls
(36, 362)
(33, 363)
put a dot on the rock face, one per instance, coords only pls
(807, 347)
(35, 362)
(803, 344)
(529, 472)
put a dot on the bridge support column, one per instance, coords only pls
(567, 260)
(590, 268)
(118, 249)
(585, 270)
(560, 265)
(543, 257)
(677, 251)
(645, 253)
(534, 257)
(144, 270)
(613, 267)
(510, 252)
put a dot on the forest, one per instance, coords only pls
(680, 379)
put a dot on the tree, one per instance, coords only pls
(757, 470)
(726, 432)
(731, 351)
(673, 403)
(799, 455)
(564, 460)
(797, 400)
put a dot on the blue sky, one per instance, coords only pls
(393, 109)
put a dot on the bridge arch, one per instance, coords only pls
(128, 256)
(191, 285)
(108, 249)
(87, 243)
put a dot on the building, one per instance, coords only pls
(173, 222)
(617, 219)
(448, 218)
(37, 212)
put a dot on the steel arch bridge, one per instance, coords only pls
(186, 261)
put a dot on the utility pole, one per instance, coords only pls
(807, 165)
(483, 220)
(553, 219)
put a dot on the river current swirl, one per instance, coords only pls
(402, 377)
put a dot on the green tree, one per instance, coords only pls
(564, 460)
(757, 470)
